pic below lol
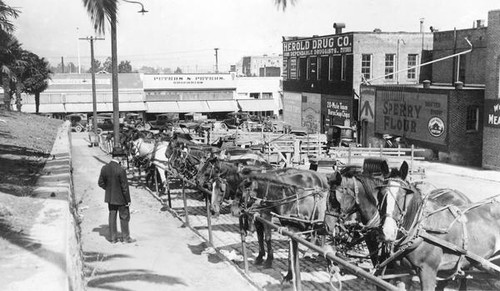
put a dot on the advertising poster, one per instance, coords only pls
(413, 115)
(492, 113)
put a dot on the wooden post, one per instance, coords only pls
(167, 185)
(349, 155)
(294, 261)
(185, 201)
(244, 249)
(209, 220)
(156, 182)
(411, 159)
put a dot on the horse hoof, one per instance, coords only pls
(258, 261)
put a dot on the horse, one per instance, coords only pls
(298, 198)
(153, 154)
(224, 177)
(440, 239)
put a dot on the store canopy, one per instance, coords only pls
(193, 106)
(88, 107)
(256, 105)
(44, 108)
(222, 105)
(162, 107)
(132, 106)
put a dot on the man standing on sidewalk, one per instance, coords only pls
(113, 179)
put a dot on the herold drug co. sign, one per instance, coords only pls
(418, 116)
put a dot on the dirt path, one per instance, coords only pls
(166, 256)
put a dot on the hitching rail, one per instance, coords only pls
(355, 270)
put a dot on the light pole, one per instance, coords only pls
(114, 76)
(94, 97)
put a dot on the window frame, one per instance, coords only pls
(472, 118)
(369, 67)
(389, 69)
(412, 72)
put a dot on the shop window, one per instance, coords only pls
(255, 95)
(412, 62)
(366, 66)
(389, 66)
(472, 122)
(267, 95)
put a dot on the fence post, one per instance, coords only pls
(349, 155)
(381, 151)
(209, 219)
(294, 261)
(411, 159)
(185, 201)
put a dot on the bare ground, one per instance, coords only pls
(26, 141)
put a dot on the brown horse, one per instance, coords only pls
(297, 198)
(440, 239)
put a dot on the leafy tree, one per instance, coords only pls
(178, 71)
(9, 46)
(106, 66)
(97, 67)
(124, 67)
(35, 78)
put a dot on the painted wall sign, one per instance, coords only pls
(367, 104)
(492, 113)
(324, 45)
(414, 115)
(337, 110)
(189, 81)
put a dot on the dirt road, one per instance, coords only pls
(166, 256)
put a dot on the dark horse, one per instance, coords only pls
(440, 239)
(299, 199)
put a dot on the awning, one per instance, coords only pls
(222, 105)
(132, 106)
(162, 107)
(44, 108)
(255, 105)
(88, 107)
(193, 106)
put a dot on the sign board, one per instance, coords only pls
(189, 81)
(367, 104)
(322, 45)
(492, 113)
(414, 115)
(337, 109)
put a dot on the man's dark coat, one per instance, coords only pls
(113, 179)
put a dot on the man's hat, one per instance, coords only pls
(118, 152)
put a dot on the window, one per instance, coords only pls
(472, 122)
(366, 66)
(267, 95)
(323, 68)
(312, 72)
(254, 95)
(412, 62)
(302, 68)
(389, 66)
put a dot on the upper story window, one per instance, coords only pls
(366, 66)
(323, 68)
(472, 121)
(389, 66)
(312, 72)
(302, 68)
(412, 62)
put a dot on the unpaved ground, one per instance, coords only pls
(25, 143)
(166, 256)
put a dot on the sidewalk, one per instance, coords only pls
(166, 256)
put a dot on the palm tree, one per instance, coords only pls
(101, 11)
(6, 14)
(284, 3)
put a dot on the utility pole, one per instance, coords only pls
(94, 96)
(216, 61)
(78, 50)
(62, 64)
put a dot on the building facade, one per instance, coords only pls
(322, 74)
(260, 66)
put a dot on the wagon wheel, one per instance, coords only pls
(79, 128)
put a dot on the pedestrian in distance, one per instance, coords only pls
(113, 179)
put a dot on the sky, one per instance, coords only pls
(184, 33)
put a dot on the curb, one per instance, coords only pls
(56, 227)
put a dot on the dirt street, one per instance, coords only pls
(166, 256)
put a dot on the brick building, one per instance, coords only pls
(322, 74)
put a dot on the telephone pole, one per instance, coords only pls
(94, 96)
(216, 61)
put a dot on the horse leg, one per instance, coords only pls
(259, 228)
(269, 260)
(292, 261)
(427, 276)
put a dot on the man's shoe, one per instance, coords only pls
(113, 241)
(129, 240)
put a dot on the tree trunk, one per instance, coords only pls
(6, 92)
(37, 102)
(18, 96)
